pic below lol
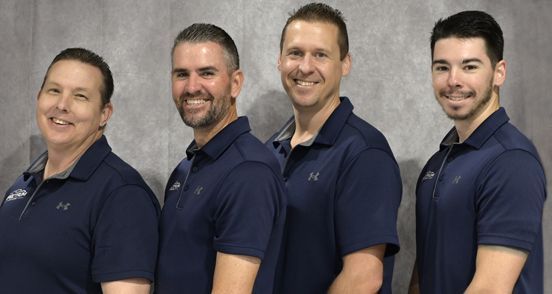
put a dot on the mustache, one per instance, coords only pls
(456, 93)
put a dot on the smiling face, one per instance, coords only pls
(310, 64)
(464, 81)
(203, 90)
(69, 109)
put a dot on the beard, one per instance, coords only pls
(476, 109)
(217, 111)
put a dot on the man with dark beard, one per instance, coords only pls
(224, 206)
(480, 197)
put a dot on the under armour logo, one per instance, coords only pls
(175, 186)
(428, 176)
(313, 177)
(456, 179)
(198, 190)
(64, 206)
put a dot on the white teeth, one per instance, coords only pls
(59, 121)
(304, 83)
(195, 101)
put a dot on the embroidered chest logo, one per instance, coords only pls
(175, 186)
(313, 177)
(428, 176)
(456, 179)
(198, 190)
(17, 194)
(63, 206)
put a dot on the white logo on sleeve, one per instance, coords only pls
(17, 194)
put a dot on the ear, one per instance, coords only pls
(279, 61)
(106, 114)
(500, 73)
(236, 83)
(346, 64)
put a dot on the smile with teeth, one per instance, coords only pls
(59, 121)
(195, 101)
(304, 83)
(457, 96)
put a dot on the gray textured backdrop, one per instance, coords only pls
(390, 82)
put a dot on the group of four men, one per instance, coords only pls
(313, 210)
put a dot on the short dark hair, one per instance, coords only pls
(88, 57)
(320, 12)
(471, 24)
(202, 32)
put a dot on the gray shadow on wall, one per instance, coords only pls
(268, 113)
(37, 147)
(406, 226)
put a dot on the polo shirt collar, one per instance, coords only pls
(222, 140)
(81, 169)
(330, 130)
(482, 133)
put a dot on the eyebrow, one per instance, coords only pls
(77, 89)
(183, 70)
(464, 61)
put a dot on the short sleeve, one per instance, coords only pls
(369, 195)
(126, 236)
(511, 193)
(248, 206)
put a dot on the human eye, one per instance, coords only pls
(180, 75)
(207, 73)
(81, 96)
(440, 68)
(470, 67)
(53, 91)
(294, 53)
(320, 55)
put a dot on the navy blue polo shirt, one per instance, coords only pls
(226, 197)
(488, 190)
(96, 222)
(344, 190)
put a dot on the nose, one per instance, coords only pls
(193, 84)
(63, 102)
(306, 66)
(454, 79)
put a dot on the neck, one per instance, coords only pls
(60, 158)
(203, 135)
(308, 121)
(467, 126)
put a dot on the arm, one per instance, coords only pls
(362, 272)
(130, 286)
(414, 287)
(234, 273)
(497, 269)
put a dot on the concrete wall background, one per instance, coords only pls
(389, 85)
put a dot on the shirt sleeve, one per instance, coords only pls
(369, 195)
(510, 202)
(247, 209)
(126, 236)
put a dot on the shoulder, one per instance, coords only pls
(362, 135)
(120, 174)
(510, 138)
(254, 153)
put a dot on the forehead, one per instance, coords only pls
(75, 74)
(192, 55)
(317, 33)
(457, 49)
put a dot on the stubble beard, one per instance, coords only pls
(215, 113)
(476, 108)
